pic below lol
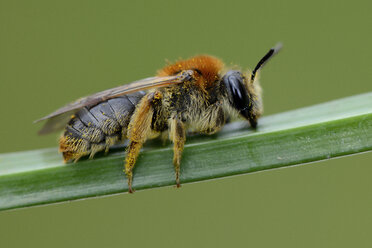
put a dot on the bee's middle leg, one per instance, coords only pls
(178, 136)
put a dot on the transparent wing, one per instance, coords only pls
(59, 118)
(56, 123)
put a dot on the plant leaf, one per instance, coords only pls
(304, 135)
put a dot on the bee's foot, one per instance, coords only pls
(178, 185)
(130, 190)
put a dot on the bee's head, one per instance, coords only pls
(244, 93)
(242, 96)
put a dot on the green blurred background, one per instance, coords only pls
(52, 52)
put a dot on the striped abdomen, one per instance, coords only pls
(96, 128)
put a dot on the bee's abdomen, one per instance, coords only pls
(96, 128)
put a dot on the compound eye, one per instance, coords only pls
(237, 93)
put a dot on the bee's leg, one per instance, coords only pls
(132, 154)
(138, 130)
(178, 136)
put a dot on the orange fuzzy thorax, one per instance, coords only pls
(210, 68)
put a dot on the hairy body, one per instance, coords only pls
(201, 105)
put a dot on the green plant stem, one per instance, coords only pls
(323, 131)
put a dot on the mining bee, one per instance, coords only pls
(196, 94)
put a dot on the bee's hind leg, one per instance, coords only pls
(178, 136)
(138, 131)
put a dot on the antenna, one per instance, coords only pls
(266, 58)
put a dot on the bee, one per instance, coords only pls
(196, 94)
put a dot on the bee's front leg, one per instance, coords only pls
(178, 136)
